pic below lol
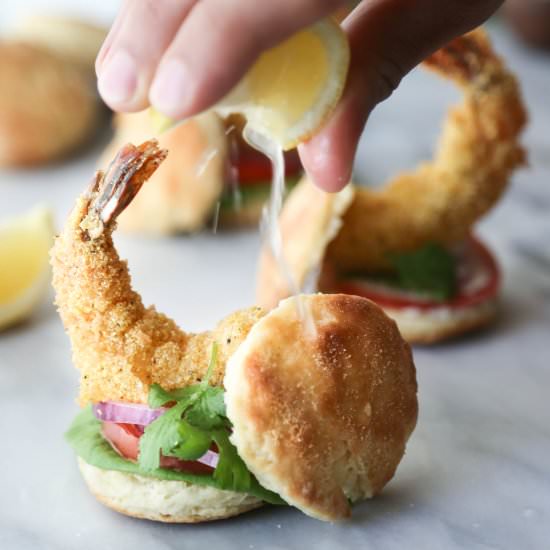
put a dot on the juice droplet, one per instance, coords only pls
(269, 227)
(216, 218)
(204, 161)
(232, 187)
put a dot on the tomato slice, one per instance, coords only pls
(189, 466)
(249, 167)
(124, 438)
(478, 280)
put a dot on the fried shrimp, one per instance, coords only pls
(440, 200)
(119, 345)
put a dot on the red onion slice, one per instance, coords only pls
(126, 413)
(209, 458)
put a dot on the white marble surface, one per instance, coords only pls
(477, 470)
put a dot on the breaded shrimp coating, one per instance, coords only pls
(119, 345)
(440, 201)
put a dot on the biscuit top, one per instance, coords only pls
(322, 417)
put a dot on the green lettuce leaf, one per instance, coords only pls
(430, 270)
(84, 436)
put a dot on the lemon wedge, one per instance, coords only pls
(25, 242)
(291, 89)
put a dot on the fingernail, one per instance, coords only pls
(117, 82)
(171, 89)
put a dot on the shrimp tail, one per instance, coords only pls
(111, 192)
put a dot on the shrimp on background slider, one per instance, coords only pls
(409, 246)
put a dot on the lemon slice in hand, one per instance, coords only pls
(25, 242)
(292, 88)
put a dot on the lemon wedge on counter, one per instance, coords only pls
(25, 242)
(291, 89)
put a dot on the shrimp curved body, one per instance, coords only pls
(119, 345)
(441, 200)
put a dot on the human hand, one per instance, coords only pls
(183, 56)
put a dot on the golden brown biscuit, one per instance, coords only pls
(162, 500)
(46, 107)
(430, 326)
(74, 40)
(321, 414)
(182, 193)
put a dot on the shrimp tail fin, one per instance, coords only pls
(111, 192)
(464, 58)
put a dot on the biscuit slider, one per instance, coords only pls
(310, 404)
(313, 416)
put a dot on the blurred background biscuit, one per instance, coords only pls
(182, 194)
(47, 108)
(75, 40)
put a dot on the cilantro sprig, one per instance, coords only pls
(188, 428)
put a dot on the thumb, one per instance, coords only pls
(387, 39)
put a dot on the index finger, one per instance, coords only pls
(217, 43)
